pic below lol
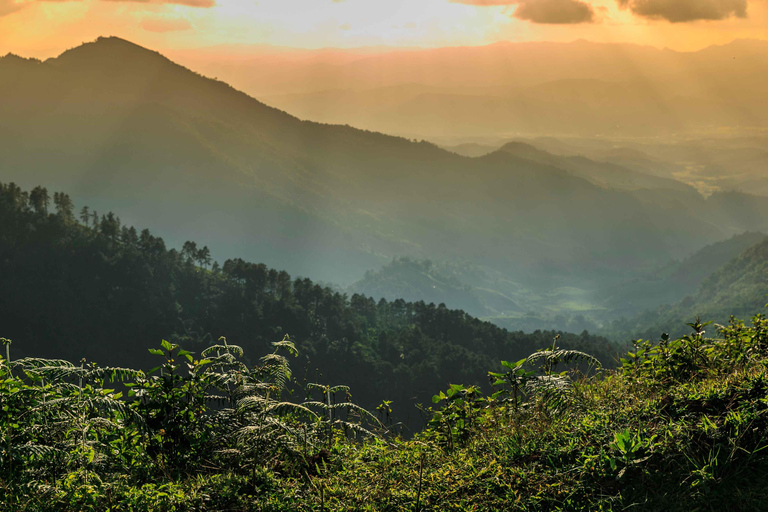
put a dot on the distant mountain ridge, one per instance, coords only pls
(125, 128)
(579, 88)
(603, 174)
(407, 279)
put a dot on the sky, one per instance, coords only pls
(45, 28)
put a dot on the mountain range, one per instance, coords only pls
(125, 128)
(536, 88)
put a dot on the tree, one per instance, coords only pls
(64, 206)
(129, 236)
(39, 199)
(110, 225)
(189, 251)
(85, 215)
(203, 257)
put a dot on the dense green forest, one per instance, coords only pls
(408, 279)
(681, 425)
(79, 284)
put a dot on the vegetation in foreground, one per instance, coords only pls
(681, 425)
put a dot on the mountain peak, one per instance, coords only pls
(523, 150)
(15, 60)
(108, 52)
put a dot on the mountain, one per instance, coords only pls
(124, 128)
(576, 89)
(424, 280)
(675, 281)
(737, 288)
(603, 174)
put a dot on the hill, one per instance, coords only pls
(126, 129)
(94, 289)
(736, 288)
(439, 283)
(603, 174)
(677, 280)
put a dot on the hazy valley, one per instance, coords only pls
(550, 225)
(384, 278)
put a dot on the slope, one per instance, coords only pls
(103, 291)
(737, 288)
(124, 128)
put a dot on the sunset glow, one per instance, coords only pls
(44, 29)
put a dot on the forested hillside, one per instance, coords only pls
(77, 283)
(424, 280)
(673, 282)
(737, 288)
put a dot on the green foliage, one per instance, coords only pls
(68, 285)
(69, 443)
(683, 424)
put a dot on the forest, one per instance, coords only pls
(79, 284)
(447, 255)
(267, 393)
(679, 425)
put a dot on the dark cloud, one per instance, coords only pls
(555, 11)
(544, 11)
(678, 11)
(9, 6)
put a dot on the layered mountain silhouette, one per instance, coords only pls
(123, 127)
(578, 88)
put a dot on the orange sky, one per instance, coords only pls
(45, 28)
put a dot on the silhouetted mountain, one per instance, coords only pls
(579, 88)
(124, 128)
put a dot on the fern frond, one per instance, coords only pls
(287, 345)
(41, 451)
(36, 362)
(563, 356)
(355, 427)
(292, 406)
(114, 373)
(215, 350)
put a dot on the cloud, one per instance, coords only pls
(188, 3)
(165, 24)
(555, 11)
(678, 11)
(544, 11)
(9, 6)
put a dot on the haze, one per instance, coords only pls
(43, 29)
(576, 150)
